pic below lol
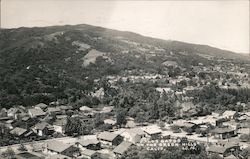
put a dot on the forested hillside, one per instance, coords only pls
(70, 63)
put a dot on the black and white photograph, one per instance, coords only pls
(124, 79)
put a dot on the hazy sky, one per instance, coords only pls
(223, 24)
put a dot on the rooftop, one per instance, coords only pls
(88, 152)
(88, 142)
(108, 136)
(222, 130)
(37, 111)
(123, 147)
(57, 146)
(18, 131)
(151, 129)
(42, 125)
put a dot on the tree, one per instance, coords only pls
(121, 117)
(22, 148)
(98, 120)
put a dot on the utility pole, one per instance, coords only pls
(0, 14)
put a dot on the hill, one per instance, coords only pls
(60, 62)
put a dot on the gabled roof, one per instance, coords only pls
(221, 149)
(42, 125)
(137, 131)
(122, 148)
(30, 155)
(108, 136)
(86, 108)
(107, 109)
(151, 130)
(88, 142)
(53, 109)
(18, 131)
(57, 146)
(216, 149)
(12, 110)
(110, 121)
(64, 107)
(229, 113)
(25, 118)
(88, 152)
(41, 105)
(37, 111)
(222, 130)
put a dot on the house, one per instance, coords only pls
(27, 122)
(153, 131)
(225, 150)
(188, 126)
(43, 128)
(59, 125)
(244, 117)
(57, 147)
(109, 138)
(89, 154)
(85, 109)
(18, 132)
(229, 114)
(91, 144)
(223, 132)
(15, 113)
(209, 119)
(110, 121)
(36, 112)
(65, 108)
(219, 122)
(107, 109)
(122, 148)
(11, 112)
(133, 135)
(30, 135)
(31, 155)
(41, 105)
(54, 110)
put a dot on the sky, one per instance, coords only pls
(222, 24)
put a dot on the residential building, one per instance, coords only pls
(225, 150)
(89, 154)
(56, 147)
(36, 112)
(109, 138)
(43, 128)
(91, 144)
(223, 133)
(18, 132)
(59, 125)
(229, 114)
(122, 148)
(153, 132)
